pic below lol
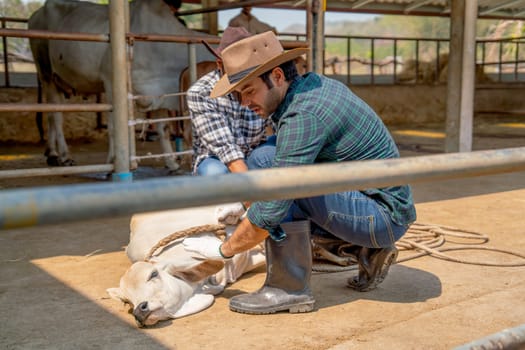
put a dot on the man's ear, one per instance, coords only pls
(197, 273)
(278, 76)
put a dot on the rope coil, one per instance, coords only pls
(428, 239)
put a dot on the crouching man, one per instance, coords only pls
(318, 120)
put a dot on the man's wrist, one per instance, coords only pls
(222, 254)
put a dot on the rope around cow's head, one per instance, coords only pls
(219, 231)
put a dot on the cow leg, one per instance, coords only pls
(165, 142)
(236, 267)
(57, 150)
(111, 138)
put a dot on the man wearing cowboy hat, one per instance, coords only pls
(318, 120)
(227, 137)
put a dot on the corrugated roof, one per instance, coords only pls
(486, 8)
(495, 9)
(489, 9)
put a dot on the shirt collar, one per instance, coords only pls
(276, 116)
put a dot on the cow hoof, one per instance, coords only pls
(68, 162)
(53, 161)
(177, 172)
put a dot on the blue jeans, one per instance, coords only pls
(350, 216)
(261, 157)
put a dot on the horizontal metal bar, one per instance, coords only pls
(60, 204)
(228, 6)
(512, 338)
(44, 34)
(156, 120)
(287, 44)
(162, 155)
(138, 97)
(188, 39)
(79, 169)
(55, 107)
(13, 19)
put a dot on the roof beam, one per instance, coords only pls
(519, 14)
(499, 7)
(361, 3)
(416, 4)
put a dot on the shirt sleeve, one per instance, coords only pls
(211, 125)
(261, 27)
(300, 138)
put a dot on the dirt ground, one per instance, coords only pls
(53, 279)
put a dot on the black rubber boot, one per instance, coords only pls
(288, 272)
(373, 267)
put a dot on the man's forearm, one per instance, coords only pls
(246, 236)
(237, 166)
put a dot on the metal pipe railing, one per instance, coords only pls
(55, 107)
(60, 204)
(119, 62)
(512, 338)
(56, 171)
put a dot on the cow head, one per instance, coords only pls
(157, 291)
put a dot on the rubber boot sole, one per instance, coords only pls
(379, 276)
(293, 309)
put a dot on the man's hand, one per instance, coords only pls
(230, 214)
(205, 245)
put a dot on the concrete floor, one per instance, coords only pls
(53, 281)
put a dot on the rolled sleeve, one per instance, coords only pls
(269, 214)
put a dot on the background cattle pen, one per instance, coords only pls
(120, 147)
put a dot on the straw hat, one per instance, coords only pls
(249, 58)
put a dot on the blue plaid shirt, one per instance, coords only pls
(321, 120)
(221, 127)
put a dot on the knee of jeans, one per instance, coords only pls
(210, 169)
(261, 158)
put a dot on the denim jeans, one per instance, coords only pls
(350, 216)
(261, 157)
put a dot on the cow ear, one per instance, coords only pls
(116, 293)
(197, 273)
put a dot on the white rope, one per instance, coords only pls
(429, 239)
(161, 155)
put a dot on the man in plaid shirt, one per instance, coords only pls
(318, 120)
(227, 137)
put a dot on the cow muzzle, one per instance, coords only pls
(141, 313)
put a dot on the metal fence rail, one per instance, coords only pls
(127, 149)
(510, 339)
(60, 204)
(384, 53)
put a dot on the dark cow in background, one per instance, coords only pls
(84, 68)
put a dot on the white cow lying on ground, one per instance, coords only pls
(174, 283)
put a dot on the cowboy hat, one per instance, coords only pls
(249, 58)
(229, 36)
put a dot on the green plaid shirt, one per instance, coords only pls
(320, 120)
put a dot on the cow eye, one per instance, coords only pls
(153, 275)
